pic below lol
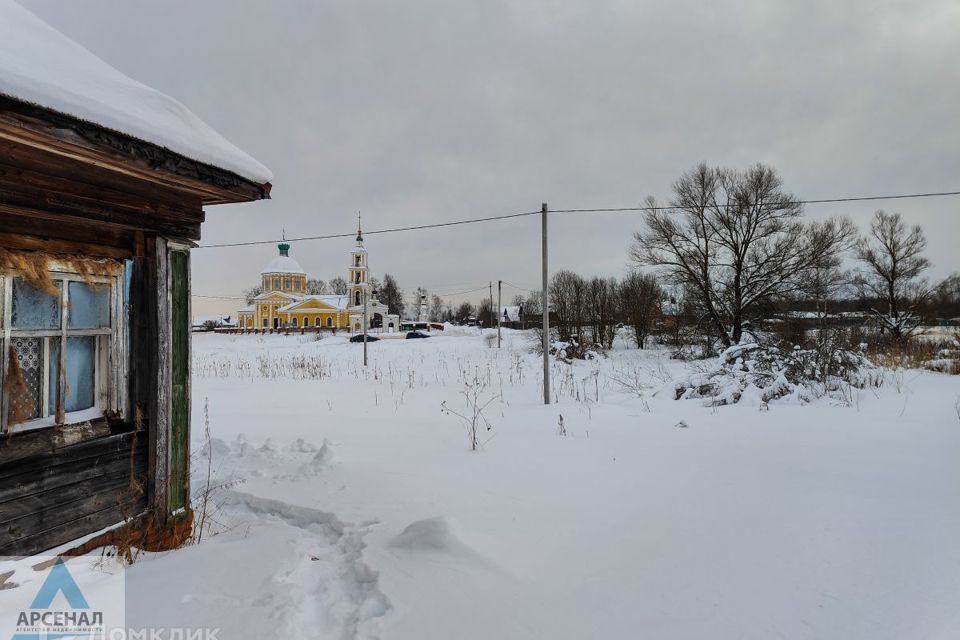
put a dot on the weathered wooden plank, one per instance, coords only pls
(31, 542)
(23, 231)
(91, 178)
(179, 443)
(85, 210)
(55, 476)
(61, 135)
(68, 500)
(16, 175)
(114, 498)
(160, 396)
(84, 450)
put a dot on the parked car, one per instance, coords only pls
(416, 334)
(359, 338)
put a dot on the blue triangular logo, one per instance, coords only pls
(59, 580)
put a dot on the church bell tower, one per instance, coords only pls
(357, 274)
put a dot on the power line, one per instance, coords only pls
(593, 210)
(510, 284)
(782, 203)
(370, 233)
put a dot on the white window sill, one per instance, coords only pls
(74, 417)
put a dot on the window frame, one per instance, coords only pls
(109, 373)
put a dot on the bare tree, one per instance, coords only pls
(337, 286)
(947, 297)
(251, 293)
(601, 308)
(485, 311)
(316, 287)
(826, 280)
(566, 293)
(893, 262)
(733, 239)
(533, 305)
(639, 296)
(390, 294)
(464, 312)
(436, 308)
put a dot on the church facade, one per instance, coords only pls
(284, 303)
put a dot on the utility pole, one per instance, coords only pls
(364, 324)
(546, 312)
(491, 303)
(499, 309)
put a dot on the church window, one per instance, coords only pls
(276, 283)
(356, 298)
(293, 322)
(329, 321)
(316, 322)
(265, 324)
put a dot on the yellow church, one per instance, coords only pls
(285, 304)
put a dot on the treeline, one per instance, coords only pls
(736, 244)
(585, 311)
(733, 248)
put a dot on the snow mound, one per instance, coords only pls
(41, 66)
(319, 462)
(432, 534)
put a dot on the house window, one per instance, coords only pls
(56, 343)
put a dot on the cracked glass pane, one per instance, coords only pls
(89, 306)
(81, 355)
(33, 308)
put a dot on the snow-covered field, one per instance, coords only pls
(361, 512)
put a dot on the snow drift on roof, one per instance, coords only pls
(283, 264)
(337, 302)
(41, 66)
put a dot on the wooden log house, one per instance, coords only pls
(96, 227)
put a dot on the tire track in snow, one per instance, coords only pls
(328, 591)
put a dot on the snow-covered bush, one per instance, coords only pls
(770, 372)
(947, 358)
(573, 350)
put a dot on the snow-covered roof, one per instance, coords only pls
(41, 66)
(337, 302)
(512, 313)
(248, 309)
(225, 320)
(283, 264)
(283, 294)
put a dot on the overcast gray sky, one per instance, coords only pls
(432, 110)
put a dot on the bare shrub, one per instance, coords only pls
(474, 391)
(208, 509)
